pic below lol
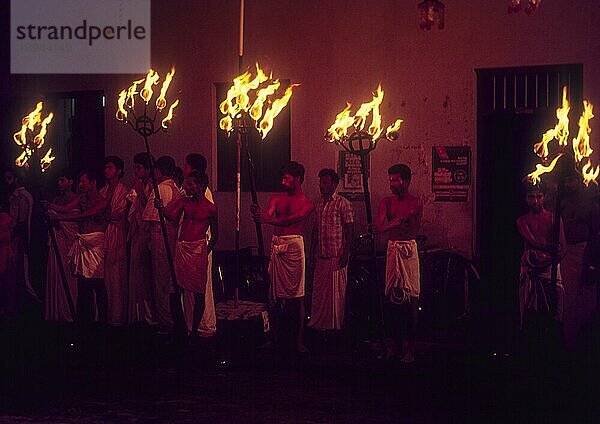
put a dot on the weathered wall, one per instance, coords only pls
(339, 51)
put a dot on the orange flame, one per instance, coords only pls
(391, 132)
(29, 124)
(38, 140)
(581, 144)
(361, 115)
(238, 100)
(256, 110)
(46, 161)
(345, 120)
(121, 111)
(540, 169)
(266, 124)
(167, 120)
(151, 79)
(161, 101)
(589, 173)
(21, 161)
(560, 130)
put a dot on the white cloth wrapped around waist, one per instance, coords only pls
(287, 267)
(402, 274)
(86, 255)
(191, 264)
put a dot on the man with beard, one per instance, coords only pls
(400, 216)
(288, 212)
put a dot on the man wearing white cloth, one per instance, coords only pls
(288, 212)
(196, 214)
(400, 215)
(332, 237)
(86, 255)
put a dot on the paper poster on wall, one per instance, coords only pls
(451, 173)
(350, 172)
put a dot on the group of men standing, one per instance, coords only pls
(110, 249)
(399, 215)
(111, 244)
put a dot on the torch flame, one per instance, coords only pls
(581, 144)
(29, 146)
(167, 120)
(560, 130)
(151, 79)
(121, 114)
(344, 120)
(540, 169)
(366, 108)
(590, 174)
(23, 158)
(256, 109)
(266, 124)
(34, 117)
(238, 100)
(38, 140)
(47, 160)
(391, 132)
(161, 101)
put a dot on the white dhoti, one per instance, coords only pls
(286, 268)
(328, 295)
(402, 274)
(191, 263)
(86, 256)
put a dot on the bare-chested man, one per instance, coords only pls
(400, 216)
(192, 248)
(540, 302)
(87, 253)
(288, 213)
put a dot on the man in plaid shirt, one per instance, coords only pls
(332, 238)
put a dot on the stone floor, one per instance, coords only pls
(131, 375)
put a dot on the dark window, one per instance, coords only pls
(268, 155)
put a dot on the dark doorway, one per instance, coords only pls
(515, 106)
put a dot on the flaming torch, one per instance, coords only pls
(252, 104)
(352, 134)
(31, 139)
(146, 121)
(580, 159)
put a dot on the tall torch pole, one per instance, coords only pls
(147, 126)
(361, 142)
